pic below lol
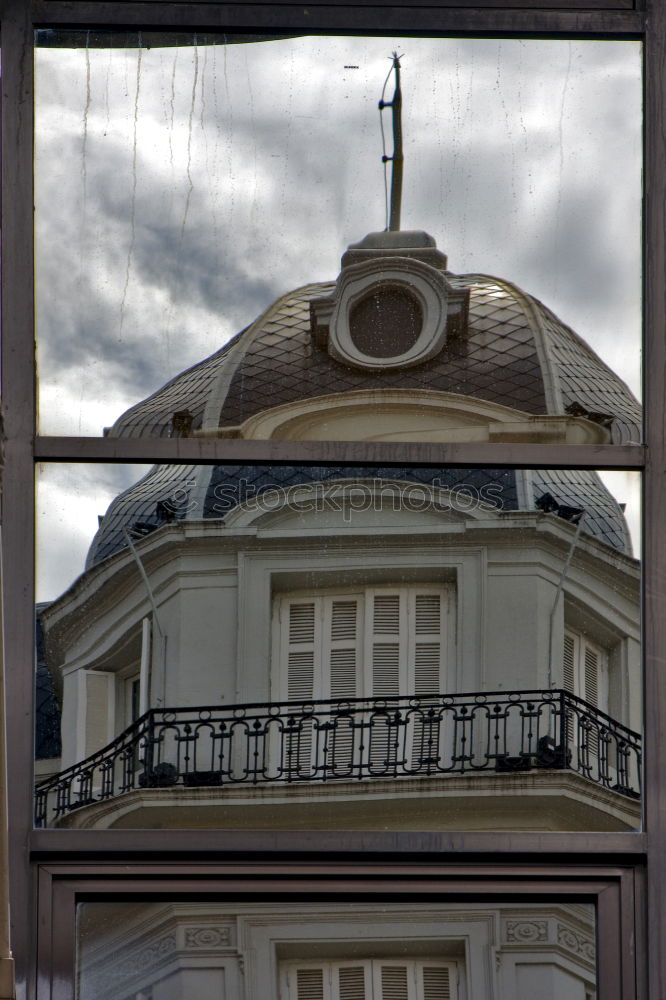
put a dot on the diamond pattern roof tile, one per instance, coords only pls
(510, 338)
(500, 337)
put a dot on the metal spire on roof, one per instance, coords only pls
(397, 158)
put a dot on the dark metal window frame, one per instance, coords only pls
(624, 874)
(612, 889)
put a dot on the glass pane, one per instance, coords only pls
(185, 193)
(338, 951)
(339, 648)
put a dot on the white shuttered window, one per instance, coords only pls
(585, 670)
(585, 673)
(369, 644)
(370, 979)
(380, 643)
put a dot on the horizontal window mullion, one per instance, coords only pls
(579, 17)
(580, 848)
(468, 455)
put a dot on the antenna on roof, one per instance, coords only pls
(393, 221)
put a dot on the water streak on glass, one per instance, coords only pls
(186, 193)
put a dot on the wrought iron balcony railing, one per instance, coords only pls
(356, 739)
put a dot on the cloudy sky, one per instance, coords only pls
(181, 190)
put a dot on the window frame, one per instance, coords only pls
(612, 889)
(363, 596)
(50, 869)
(578, 683)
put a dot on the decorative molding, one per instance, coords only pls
(572, 940)
(122, 968)
(525, 931)
(208, 937)
(441, 307)
(549, 934)
(393, 414)
(153, 952)
(119, 968)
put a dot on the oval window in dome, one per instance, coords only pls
(386, 323)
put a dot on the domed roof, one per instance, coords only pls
(510, 351)
(178, 492)
(515, 352)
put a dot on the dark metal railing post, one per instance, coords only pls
(149, 746)
(563, 736)
(41, 808)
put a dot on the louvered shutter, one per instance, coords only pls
(386, 653)
(352, 982)
(303, 638)
(341, 665)
(583, 675)
(591, 660)
(394, 982)
(386, 644)
(413, 980)
(582, 668)
(308, 984)
(590, 665)
(426, 641)
(330, 981)
(301, 651)
(570, 679)
(380, 644)
(343, 642)
(372, 979)
(569, 663)
(436, 980)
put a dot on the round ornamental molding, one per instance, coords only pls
(207, 937)
(574, 941)
(388, 314)
(526, 931)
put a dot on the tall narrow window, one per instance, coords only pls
(585, 670)
(381, 645)
(585, 674)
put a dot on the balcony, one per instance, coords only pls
(357, 740)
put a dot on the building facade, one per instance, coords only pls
(324, 647)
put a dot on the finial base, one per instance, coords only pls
(414, 243)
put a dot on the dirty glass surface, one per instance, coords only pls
(365, 951)
(188, 192)
(321, 647)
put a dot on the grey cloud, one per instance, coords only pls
(467, 182)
